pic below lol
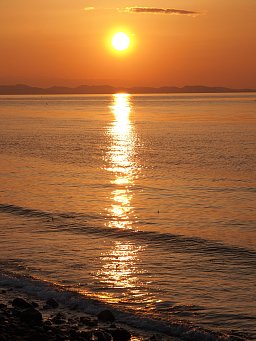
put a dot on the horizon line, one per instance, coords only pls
(24, 89)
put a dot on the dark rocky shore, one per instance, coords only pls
(26, 318)
(30, 318)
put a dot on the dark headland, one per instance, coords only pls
(23, 89)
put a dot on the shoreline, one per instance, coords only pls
(31, 316)
(26, 316)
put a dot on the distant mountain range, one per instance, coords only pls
(22, 89)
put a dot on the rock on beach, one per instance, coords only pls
(31, 316)
(106, 316)
(21, 303)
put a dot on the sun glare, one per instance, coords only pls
(120, 41)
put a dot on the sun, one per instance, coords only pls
(120, 41)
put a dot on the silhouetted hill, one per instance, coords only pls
(23, 89)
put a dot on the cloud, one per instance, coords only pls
(89, 8)
(149, 10)
(156, 10)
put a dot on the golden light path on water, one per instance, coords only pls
(121, 264)
(122, 162)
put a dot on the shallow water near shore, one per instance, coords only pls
(145, 203)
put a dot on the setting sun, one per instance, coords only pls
(120, 41)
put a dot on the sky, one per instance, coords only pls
(175, 43)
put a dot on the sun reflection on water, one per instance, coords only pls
(121, 265)
(122, 164)
(119, 269)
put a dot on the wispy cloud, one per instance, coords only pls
(157, 10)
(149, 10)
(89, 8)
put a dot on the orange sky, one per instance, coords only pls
(47, 42)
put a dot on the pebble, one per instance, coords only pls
(106, 316)
(20, 303)
(120, 334)
(31, 316)
(52, 303)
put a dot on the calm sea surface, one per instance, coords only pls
(145, 202)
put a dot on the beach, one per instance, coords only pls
(27, 317)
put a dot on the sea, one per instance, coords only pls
(144, 204)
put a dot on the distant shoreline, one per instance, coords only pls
(22, 89)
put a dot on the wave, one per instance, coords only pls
(72, 299)
(83, 224)
(30, 212)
